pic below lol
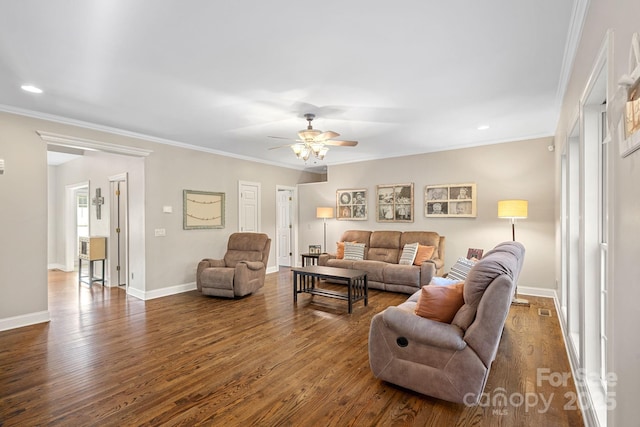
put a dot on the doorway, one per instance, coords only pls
(76, 221)
(249, 206)
(119, 231)
(285, 219)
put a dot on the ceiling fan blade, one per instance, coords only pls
(282, 137)
(280, 146)
(341, 143)
(326, 135)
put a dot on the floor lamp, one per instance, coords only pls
(514, 209)
(324, 213)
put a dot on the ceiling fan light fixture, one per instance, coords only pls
(309, 134)
(306, 153)
(323, 152)
(297, 149)
(317, 147)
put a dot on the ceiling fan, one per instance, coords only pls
(314, 141)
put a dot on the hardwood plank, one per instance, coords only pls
(109, 359)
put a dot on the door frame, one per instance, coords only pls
(241, 184)
(293, 216)
(122, 178)
(70, 232)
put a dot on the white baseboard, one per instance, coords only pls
(55, 266)
(537, 292)
(273, 269)
(164, 292)
(24, 320)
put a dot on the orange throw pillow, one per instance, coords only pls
(440, 303)
(424, 254)
(340, 250)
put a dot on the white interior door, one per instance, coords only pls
(249, 206)
(118, 250)
(285, 227)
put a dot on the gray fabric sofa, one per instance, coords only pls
(449, 361)
(382, 253)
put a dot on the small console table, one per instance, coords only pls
(91, 249)
(309, 259)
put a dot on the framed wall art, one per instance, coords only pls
(394, 203)
(450, 200)
(315, 249)
(351, 204)
(630, 138)
(202, 209)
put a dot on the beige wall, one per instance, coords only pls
(518, 170)
(620, 16)
(23, 222)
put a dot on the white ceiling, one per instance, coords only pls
(412, 76)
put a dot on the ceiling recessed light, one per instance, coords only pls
(30, 88)
(483, 127)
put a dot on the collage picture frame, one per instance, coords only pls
(394, 203)
(450, 200)
(351, 204)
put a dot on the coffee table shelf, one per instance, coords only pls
(306, 279)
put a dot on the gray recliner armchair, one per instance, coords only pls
(449, 361)
(242, 270)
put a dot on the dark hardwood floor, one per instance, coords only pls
(109, 359)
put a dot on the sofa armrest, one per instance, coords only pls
(422, 330)
(209, 262)
(323, 258)
(427, 271)
(253, 265)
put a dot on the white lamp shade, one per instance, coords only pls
(324, 212)
(513, 208)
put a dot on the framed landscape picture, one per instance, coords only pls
(202, 209)
(351, 204)
(394, 203)
(450, 200)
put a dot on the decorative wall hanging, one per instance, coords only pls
(351, 204)
(450, 200)
(394, 203)
(624, 110)
(98, 201)
(202, 209)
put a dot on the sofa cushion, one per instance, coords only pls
(461, 269)
(374, 269)
(408, 254)
(444, 281)
(424, 254)
(440, 303)
(396, 274)
(354, 251)
(385, 246)
(340, 263)
(339, 250)
(426, 238)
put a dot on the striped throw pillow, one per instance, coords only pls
(353, 251)
(460, 269)
(408, 254)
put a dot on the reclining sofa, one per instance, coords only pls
(450, 361)
(382, 253)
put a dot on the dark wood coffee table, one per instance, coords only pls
(306, 279)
